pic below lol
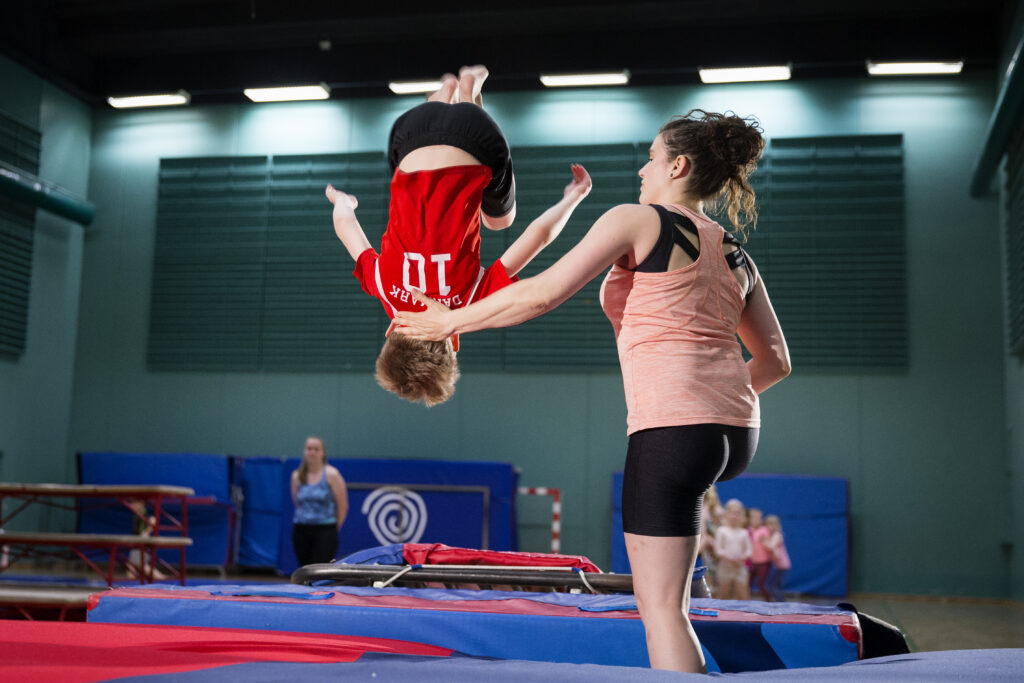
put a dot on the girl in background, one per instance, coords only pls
(761, 559)
(776, 543)
(711, 519)
(321, 504)
(733, 548)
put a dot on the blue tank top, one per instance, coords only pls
(315, 504)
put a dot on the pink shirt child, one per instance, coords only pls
(780, 558)
(760, 554)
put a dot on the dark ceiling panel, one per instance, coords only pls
(213, 48)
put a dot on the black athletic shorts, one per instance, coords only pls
(668, 470)
(468, 127)
(314, 543)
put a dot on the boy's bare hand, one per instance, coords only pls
(344, 201)
(581, 183)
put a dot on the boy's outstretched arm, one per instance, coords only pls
(346, 226)
(545, 228)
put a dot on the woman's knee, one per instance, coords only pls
(650, 600)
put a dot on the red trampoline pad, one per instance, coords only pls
(75, 652)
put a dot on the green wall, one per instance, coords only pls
(920, 449)
(926, 451)
(35, 388)
(1014, 363)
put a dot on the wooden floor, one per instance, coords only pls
(933, 623)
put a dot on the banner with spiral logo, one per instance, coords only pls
(395, 515)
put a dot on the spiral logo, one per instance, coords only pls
(395, 515)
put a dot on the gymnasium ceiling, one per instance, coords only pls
(214, 48)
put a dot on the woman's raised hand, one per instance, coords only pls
(433, 324)
(581, 183)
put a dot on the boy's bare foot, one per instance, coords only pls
(446, 93)
(471, 82)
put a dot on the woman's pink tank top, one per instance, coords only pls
(676, 335)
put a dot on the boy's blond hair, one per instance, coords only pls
(417, 370)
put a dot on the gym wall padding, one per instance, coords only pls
(209, 526)
(813, 511)
(263, 498)
(455, 518)
(815, 517)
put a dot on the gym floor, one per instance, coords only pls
(936, 623)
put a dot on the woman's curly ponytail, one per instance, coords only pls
(724, 150)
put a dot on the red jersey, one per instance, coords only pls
(432, 242)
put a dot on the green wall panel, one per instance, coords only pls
(248, 274)
(909, 439)
(19, 147)
(1014, 198)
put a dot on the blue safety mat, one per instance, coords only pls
(991, 666)
(194, 583)
(730, 645)
(583, 601)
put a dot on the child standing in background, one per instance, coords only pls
(733, 547)
(142, 525)
(776, 543)
(761, 558)
(711, 520)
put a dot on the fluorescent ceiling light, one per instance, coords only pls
(914, 68)
(412, 87)
(745, 73)
(289, 94)
(570, 80)
(159, 100)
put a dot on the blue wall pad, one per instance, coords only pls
(263, 500)
(430, 514)
(207, 475)
(814, 512)
(738, 636)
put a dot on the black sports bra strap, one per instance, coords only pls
(672, 223)
(739, 259)
(680, 239)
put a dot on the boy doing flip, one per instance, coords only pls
(451, 171)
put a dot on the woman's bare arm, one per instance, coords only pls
(546, 227)
(761, 333)
(610, 237)
(294, 487)
(340, 491)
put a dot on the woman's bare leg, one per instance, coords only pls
(662, 571)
